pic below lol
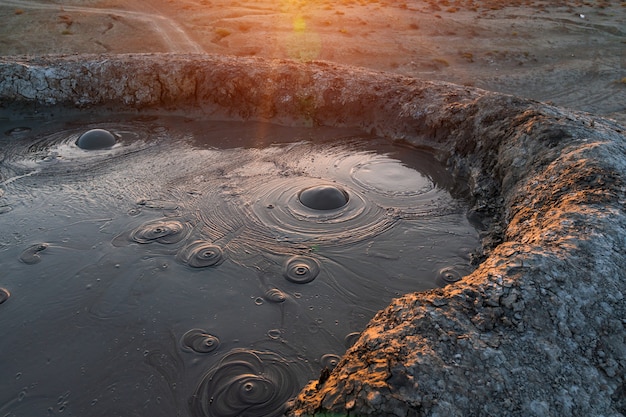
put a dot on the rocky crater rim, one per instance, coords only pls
(537, 329)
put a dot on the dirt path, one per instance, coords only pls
(173, 35)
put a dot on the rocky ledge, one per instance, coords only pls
(537, 330)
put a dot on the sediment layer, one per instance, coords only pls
(537, 329)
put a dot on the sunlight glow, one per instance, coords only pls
(302, 44)
(299, 24)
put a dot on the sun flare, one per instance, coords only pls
(301, 43)
(299, 24)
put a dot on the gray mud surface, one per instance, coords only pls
(536, 329)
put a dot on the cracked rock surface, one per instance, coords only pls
(538, 329)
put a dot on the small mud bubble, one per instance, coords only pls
(96, 139)
(448, 275)
(4, 295)
(301, 269)
(200, 254)
(17, 131)
(199, 341)
(32, 255)
(323, 197)
(246, 382)
(274, 295)
(161, 231)
(330, 361)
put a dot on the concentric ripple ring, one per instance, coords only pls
(280, 206)
(246, 383)
(199, 341)
(301, 269)
(162, 231)
(330, 361)
(448, 275)
(201, 254)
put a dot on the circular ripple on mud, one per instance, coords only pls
(4, 295)
(330, 361)
(55, 151)
(449, 275)
(201, 254)
(166, 231)
(278, 206)
(301, 269)
(391, 177)
(392, 184)
(96, 139)
(199, 341)
(32, 255)
(246, 383)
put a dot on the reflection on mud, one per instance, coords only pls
(214, 281)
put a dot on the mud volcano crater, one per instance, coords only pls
(536, 329)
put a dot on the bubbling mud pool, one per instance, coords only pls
(175, 266)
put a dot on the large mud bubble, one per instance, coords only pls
(537, 329)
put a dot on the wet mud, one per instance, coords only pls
(229, 254)
(536, 329)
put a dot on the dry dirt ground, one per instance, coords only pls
(568, 52)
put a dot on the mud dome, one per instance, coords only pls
(537, 329)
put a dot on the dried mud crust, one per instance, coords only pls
(537, 329)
